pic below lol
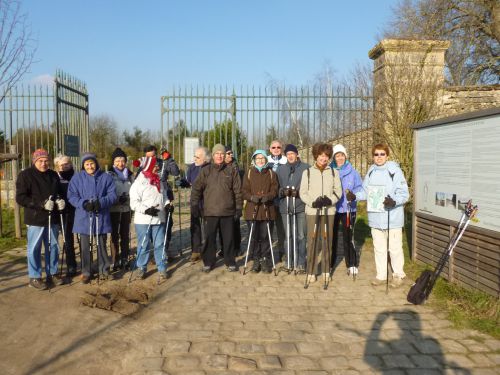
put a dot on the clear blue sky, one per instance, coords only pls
(132, 52)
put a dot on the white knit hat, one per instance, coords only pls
(339, 148)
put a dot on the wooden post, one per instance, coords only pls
(17, 214)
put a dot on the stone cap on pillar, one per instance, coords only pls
(405, 45)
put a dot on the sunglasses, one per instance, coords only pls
(229, 153)
(379, 154)
(278, 147)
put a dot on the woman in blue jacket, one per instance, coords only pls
(351, 183)
(388, 219)
(92, 192)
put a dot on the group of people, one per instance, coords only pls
(93, 203)
(310, 205)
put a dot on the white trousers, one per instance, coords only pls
(395, 250)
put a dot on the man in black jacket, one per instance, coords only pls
(38, 190)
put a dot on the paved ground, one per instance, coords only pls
(226, 323)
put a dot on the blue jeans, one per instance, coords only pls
(37, 236)
(300, 238)
(156, 235)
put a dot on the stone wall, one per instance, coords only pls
(462, 99)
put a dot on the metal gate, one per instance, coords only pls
(54, 117)
(249, 118)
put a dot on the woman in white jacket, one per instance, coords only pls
(148, 200)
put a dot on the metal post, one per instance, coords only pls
(17, 215)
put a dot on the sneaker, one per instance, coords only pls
(352, 271)
(206, 269)
(397, 282)
(195, 257)
(140, 274)
(311, 278)
(231, 269)
(301, 270)
(37, 284)
(55, 280)
(378, 282)
(256, 267)
(85, 279)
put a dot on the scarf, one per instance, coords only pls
(122, 175)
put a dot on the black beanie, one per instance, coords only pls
(118, 153)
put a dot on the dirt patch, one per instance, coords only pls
(123, 299)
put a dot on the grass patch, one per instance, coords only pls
(8, 240)
(465, 308)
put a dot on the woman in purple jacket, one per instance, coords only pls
(351, 183)
(92, 192)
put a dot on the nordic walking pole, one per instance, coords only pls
(324, 245)
(97, 246)
(164, 240)
(387, 273)
(288, 229)
(313, 252)
(349, 227)
(140, 248)
(64, 241)
(250, 237)
(294, 228)
(270, 240)
(50, 236)
(90, 243)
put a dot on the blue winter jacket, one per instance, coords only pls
(84, 187)
(351, 180)
(390, 176)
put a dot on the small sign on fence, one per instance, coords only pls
(190, 145)
(71, 145)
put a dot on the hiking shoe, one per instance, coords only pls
(311, 278)
(255, 267)
(265, 266)
(37, 284)
(71, 272)
(85, 279)
(378, 282)
(231, 269)
(54, 280)
(104, 276)
(206, 269)
(351, 271)
(195, 257)
(396, 282)
(301, 270)
(163, 274)
(140, 274)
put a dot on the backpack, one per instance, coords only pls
(421, 289)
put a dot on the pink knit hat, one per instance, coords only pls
(39, 153)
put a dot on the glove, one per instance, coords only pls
(350, 196)
(265, 199)
(255, 199)
(60, 204)
(318, 203)
(88, 206)
(285, 192)
(389, 202)
(326, 201)
(169, 208)
(294, 193)
(237, 214)
(183, 183)
(97, 205)
(48, 205)
(152, 211)
(123, 198)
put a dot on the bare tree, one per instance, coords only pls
(103, 136)
(17, 47)
(473, 27)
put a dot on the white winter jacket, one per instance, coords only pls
(143, 195)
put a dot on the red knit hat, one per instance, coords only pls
(39, 153)
(148, 163)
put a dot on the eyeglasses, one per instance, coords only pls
(278, 147)
(379, 154)
(197, 157)
(229, 153)
(260, 158)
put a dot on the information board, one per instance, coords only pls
(190, 145)
(458, 161)
(71, 145)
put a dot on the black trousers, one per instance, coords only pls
(350, 255)
(69, 219)
(196, 235)
(226, 225)
(120, 232)
(236, 236)
(260, 240)
(102, 254)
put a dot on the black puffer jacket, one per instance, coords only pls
(33, 188)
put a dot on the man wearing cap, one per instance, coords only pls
(289, 177)
(219, 186)
(39, 191)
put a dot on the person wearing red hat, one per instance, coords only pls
(39, 191)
